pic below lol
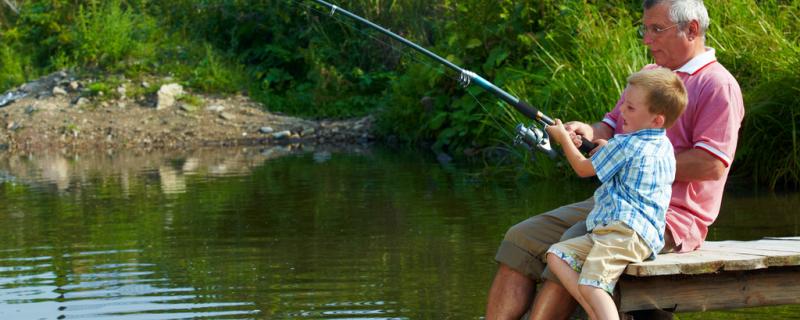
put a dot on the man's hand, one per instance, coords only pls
(577, 130)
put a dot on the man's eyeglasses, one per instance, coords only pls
(643, 29)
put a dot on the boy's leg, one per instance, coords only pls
(615, 246)
(569, 279)
(603, 306)
(565, 259)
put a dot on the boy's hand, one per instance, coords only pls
(558, 133)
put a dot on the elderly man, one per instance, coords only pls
(704, 139)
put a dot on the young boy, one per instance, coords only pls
(637, 169)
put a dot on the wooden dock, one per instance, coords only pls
(721, 275)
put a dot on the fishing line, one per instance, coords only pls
(413, 55)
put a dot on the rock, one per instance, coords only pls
(282, 134)
(121, 90)
(215, 108)
(168, 94)
(74, 85)
(59, 91)
(266, 130)
(308, 131)
(30, 110)
(226, 116)
(81, 101)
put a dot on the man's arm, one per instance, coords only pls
(697, 165)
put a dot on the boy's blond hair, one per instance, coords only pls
(666, 94)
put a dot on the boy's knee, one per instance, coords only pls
(587, 290)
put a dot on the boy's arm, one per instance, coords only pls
(582, 166)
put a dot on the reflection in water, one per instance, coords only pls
(278, 233)
(60, 171)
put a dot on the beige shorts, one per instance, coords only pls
(601, 256)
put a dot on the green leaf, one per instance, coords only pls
(437, 120)
(473, 43)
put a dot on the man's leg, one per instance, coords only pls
(510, 294)
(553, 301)
(520, 259)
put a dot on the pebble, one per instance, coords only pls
(266, 130)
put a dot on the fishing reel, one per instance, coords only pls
(533, 137)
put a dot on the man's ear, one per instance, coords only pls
(693, 30)
(658, 121)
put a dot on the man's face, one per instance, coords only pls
(670, 48)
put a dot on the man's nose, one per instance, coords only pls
(647, 39)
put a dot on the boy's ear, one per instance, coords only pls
(659, 120)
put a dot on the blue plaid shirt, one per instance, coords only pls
(637, 170)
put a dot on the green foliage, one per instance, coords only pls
(12, 67)
(104, 33)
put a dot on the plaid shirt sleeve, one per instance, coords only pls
(611, 158)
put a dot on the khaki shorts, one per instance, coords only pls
(601, 256)
(525, 244)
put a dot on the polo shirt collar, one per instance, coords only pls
(699, 62)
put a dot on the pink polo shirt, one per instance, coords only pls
(710, 123)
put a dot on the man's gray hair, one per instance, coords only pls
(684, 11)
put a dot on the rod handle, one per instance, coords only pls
(586, 145)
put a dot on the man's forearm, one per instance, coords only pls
(698, 165)
(601, 131)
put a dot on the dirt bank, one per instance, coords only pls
(62, 113)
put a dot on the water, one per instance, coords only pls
(280, 234)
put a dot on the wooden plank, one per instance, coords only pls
(696, 262)
(783, 238)
(724, 290)
(772, 258)
(777, 245)
(723, 255)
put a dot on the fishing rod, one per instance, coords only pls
(530, 136)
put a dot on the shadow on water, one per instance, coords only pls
(278, 233)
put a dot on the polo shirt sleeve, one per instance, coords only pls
(720, 114)
(610, 158)
(611, 118)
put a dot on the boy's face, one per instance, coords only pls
(636, 112)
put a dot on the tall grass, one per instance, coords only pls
(759, 44)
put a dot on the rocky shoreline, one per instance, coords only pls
(60, 112)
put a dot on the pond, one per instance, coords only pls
(282, 233)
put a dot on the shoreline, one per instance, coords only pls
(61, 113)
